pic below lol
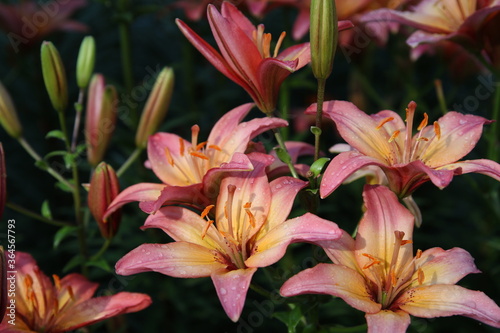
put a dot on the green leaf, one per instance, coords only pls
(56, 153)
(100, 263)
(291, 318)
(58, 134)
(283, 155)
(69, 159)
(74, 262)
(63, 187)
(42, 165)
(63, 233)
(318, 166)
(46, 210)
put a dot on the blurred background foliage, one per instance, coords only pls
(375, 78)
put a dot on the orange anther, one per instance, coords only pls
(215, 147)
(251, 217)
(57, 281)
(28, 281)
(404, 242)
(437, 130)
(384, 121)
(200, 145)
(394, 280)
(421, 276)
(278, 44)
(198, 154)
(374, 260)
(206, 211)
(170, 159)
(424, 122)
(394, 135)
(419, 254)
(205, 229)
(181, 146)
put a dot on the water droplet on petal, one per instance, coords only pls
(223, 291)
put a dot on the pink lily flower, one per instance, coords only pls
(436, 20)
(187, 169)
(245, 54)
(247, 229)
(377, 273)
(65, 305)
(29, 21)
(407, 160)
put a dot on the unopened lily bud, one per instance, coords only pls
(324, 37)
(85, 62)
(54, 76)
(8, 114)
(3, 183)
(100, 118)
(104, 187)
(156, 107)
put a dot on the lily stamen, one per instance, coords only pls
(384, 121)
(278, 44)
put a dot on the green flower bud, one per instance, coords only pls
(8, 114)
(324, 37)
(103, 188)
(85, 62)
(54, 76)
(156, 107)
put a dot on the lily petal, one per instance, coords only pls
(333, 280)
(444, 267)
(222, 130)
(101, 308)
(138, 192)
(449, 300)
(341, 167)
(187, 195)
(341, 251)
(384, 215)
(388, 321)
(179, 259)
(232, 288)
(306, 228)
(482, 166)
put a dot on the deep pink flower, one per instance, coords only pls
(63, 305)
(436, 20)
(188, 169)
(407, 160)
(378, 274)
(245, 54)
(247, 229)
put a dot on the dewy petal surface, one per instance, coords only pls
(449, 300)
(333, 280)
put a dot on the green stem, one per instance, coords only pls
(261, 291)
(22, 141)
(494, 133)
(103, 249)
(36, 216)
(285, 107)
(281, 143)
(135, 154)
(78, 117)
(319, 116)
(440, 96)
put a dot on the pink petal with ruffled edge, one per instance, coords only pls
(459, 135)
(178, 259)
(82, 289)
(232, 288)
(384, 215)
(450, 300)
(138, 192)
(223, 128)
(388, 321)
(333, 280)
(444, 267)
(100, 308)
(482, 166)
(306, 228)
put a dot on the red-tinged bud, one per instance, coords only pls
(3, 286)
(156, 107)
(104, 187)
(54, 76)
(8, 114)
(3, 184)
(324, 34)
(100, 119)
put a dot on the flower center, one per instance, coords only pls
(411, 148)
(233, 232)
(200, 157)
(389, 281)
(263, 42)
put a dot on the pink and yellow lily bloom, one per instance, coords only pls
(437, 20)
(408, 160)
(63, 305)
(187, 169)
(247, 228)
(245, 55)
(378, 274)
